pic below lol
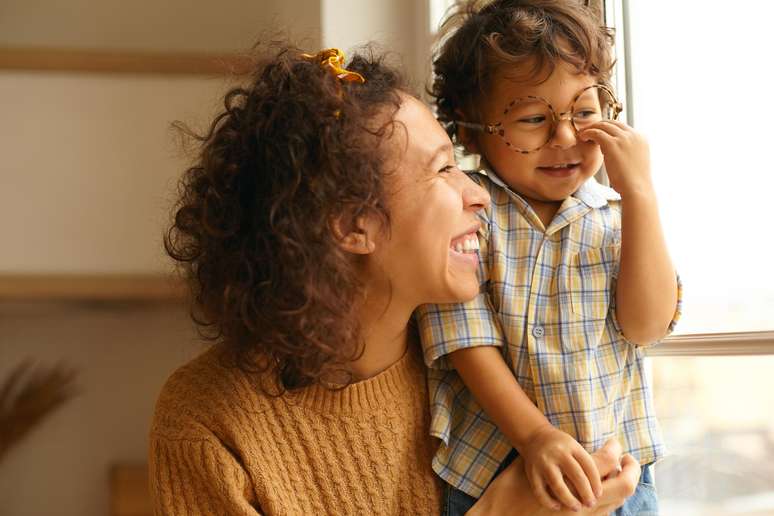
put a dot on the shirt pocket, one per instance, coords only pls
(590, 282)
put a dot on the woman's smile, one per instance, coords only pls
(464, 249)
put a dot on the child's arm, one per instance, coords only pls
(549, 454)
(646, 291)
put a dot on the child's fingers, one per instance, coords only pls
(611, 128)
(591, 471)
(621, 125)
(543, 497)
(577, 477)
(598, 136)
(560, 490)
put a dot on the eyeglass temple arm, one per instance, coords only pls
(488, 128)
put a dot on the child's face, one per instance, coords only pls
(535, 175)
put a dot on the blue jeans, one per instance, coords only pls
(643, 502)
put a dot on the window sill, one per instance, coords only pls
(715, 344)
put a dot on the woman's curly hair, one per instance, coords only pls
(292, 151)
(530, 37)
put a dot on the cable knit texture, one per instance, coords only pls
(219, 446)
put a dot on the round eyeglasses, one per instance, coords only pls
(530, 122)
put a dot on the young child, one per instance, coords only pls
(546, 362)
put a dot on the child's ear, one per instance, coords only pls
(354, 237)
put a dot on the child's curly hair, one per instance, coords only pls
(291, 151)
(529, 37)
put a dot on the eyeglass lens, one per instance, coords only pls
(529, 123)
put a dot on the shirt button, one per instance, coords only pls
(538, 332)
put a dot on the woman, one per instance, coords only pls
(324, 208)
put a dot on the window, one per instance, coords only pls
(717, 420)
(701, 91)
(697, 84)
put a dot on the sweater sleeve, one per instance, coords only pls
(197, 477)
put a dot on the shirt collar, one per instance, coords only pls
(596, 195)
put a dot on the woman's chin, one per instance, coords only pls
(463, 289)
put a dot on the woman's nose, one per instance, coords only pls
(474, 196)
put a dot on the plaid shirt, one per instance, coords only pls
(548, 301)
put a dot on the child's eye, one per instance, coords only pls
(537, 119)
(585, 114)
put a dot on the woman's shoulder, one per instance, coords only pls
(203, 394)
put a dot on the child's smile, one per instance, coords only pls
(561, 170)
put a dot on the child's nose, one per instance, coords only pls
(564, 135)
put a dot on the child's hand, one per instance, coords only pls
(627, 156)
(555, 465)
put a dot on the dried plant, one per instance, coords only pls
(28, 395)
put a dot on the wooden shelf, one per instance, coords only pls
(102, 61)
(92, 287)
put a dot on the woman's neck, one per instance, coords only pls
(385, 336)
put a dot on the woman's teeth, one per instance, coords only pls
(466, 245)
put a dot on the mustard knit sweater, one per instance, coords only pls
(219, 446)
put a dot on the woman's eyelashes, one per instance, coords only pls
(447, 168)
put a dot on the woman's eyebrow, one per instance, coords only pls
(444, 149)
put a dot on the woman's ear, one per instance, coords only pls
(355, 238)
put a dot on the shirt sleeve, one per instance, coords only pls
(197, 477)
(444, 328)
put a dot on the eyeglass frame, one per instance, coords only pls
(497, 129)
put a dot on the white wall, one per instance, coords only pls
(90, 162)
(171, 25)
(399, 26)
(89, 168)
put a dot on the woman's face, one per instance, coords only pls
(430, 253)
